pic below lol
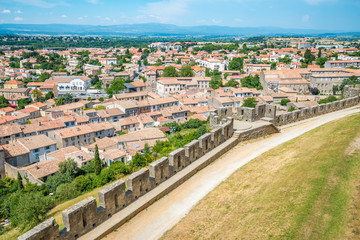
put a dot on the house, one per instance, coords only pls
(44, 87)
(50, 164)
(342, 64)
(251, 68)
(202, 82)
(28, 150)
(9, 133)
(295, 79)
(219, 102)
(13, 84)
(42, 127)
(82, 135)
(213, 63)
(70, 84)
(114, 155)
(301, 45)
(31, 111)
(165, 86)
(146, 134)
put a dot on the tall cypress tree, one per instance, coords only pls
(19, 182)
(98, 162)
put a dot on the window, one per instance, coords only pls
(36, 150)
(47, 147)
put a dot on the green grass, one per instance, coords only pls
(303, 189)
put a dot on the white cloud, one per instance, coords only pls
(80, 18)
(18, 19)
(6, 11)
(314, 2)
(238, 20)
(108, 19)
(306, 18)
(64, 16)
(18, 12)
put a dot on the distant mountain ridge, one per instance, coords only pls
(157, 29)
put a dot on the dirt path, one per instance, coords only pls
(153, 222)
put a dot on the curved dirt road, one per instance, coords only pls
(153, 222)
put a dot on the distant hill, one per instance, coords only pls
(157, 29)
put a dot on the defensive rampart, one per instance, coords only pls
(85, 215)
(181, 164)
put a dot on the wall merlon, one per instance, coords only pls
(159, 170)
(112, 198)
(192, 150)
(45, 230)
(81, 217)
(177, 159)
(139, 183)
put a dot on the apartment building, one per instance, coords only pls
(70, 84)
(213, 64)
(9, 133)
(82, 135)
(296, 79)
(342, 64)
(28, 150)
(250, 68)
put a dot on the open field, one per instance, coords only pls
(307, 188)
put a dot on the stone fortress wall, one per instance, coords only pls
(86, 216)
(267, 112)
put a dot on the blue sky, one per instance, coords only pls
(312, 14)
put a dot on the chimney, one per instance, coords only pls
(39, 123)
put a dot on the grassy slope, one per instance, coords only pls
(307, 188)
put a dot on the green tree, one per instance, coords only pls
(67, 191)
(68, 98)
(44, 76)
(22, 103)
(284, 102)
(29, 209)
(83, 183)
(353, 80)
(232, 83)
(116, 86)
(273, 66)
(3, 102)
(37, 94)
(236, 64)
(216, 82)
(186, 71)
(69, 167)
(98, 161)
(319, 53)
(49, 95)
(59, 101)
(19, 182)
(139, 161)
(321, 61)
(335, 89)
(170, 71)
(249, 102)
(251, 82)
(308, 57)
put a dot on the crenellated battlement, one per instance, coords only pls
(85, 215)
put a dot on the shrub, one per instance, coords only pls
(67, 191)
